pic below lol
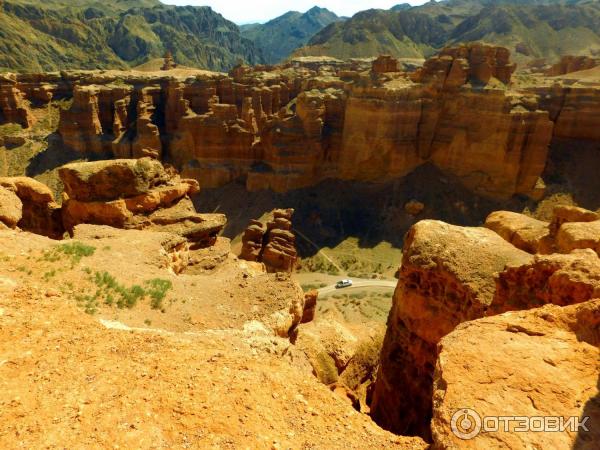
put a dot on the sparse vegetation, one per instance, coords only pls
(157, 290)
(111, 292)
(75, 251)
(310, 287)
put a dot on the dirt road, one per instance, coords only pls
(359, 283)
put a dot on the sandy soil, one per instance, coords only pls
(226, 381)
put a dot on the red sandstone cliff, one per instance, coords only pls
(287, 127)
(451, 275)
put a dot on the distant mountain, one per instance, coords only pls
(373, 32)
(530, 28)
(41, 35)
(278, 38)
(401, 7)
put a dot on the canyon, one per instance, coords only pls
(288, 127)
(142, 319)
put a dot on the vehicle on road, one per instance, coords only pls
(343, 283)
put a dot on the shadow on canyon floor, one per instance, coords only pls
(335, 210)
(55, 156)
(575, 169)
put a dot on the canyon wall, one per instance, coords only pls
(291, 126)
(451, 275)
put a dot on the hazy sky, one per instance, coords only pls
(248, 11)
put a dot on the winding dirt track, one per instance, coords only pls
(359, 283)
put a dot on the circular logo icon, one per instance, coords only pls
(465, 424)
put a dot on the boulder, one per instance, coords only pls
(567, 213)
(136, 194)
(41, 214)
(112, 179)
(11, 208)
(537, 363)
(578, 235)
(524, 232)
(447, 277)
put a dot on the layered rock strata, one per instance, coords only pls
(451, 275)
(291, 126)
(271, 242)
(135, 194)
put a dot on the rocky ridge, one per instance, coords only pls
(290, 126)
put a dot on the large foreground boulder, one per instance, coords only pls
(541, 363)
(40, 212)
(135, 194)
(452, 275)
(447, 277)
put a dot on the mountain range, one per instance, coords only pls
(47, 35)
(530, 28)
(278, 38)
(44, 35)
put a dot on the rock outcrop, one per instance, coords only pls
(441, 285)
(571, 63)
(524, 232)
(451, 275)
(80, 126)
(470, 63)
(12, 105)
(282, 128)
(528, 364)
(135, 194)
(385, 64)
(271, 242)
(40, 212)
(571, 228)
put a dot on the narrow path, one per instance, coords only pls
(359, 283)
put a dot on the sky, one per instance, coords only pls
(250, 11)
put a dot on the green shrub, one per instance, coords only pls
(157, 290)
(74, 250)
(127, 297)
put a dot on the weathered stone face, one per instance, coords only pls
(283, 128)
(447, 277)
(135, 194)
(536, 363)
(271, 242)
(109, 180)
(451, 275)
